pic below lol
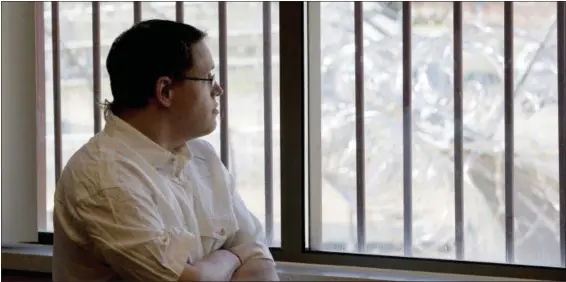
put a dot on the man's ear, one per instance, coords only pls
(163, 91)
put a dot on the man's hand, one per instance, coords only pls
(256, 270)
(220, 265)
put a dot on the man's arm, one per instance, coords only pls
(190, 273)
(132, 245)
(220, 265)
(248, 243)
(127, 232)
(256, 270)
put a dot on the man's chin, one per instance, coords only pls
(211, 127)
(203, 131)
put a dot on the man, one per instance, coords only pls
(145, 199)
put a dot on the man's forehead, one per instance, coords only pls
(202, 57)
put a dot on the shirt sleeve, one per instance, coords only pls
(249, 241)
(127, 231)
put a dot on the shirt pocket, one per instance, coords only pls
(215, 231)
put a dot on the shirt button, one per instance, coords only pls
(222, 232)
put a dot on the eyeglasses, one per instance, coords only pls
(210, 80)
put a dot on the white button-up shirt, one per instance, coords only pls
(125, 208)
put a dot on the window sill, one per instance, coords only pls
(37, 258)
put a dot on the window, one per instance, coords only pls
(245, 85)
(387, 166)
(384, 229)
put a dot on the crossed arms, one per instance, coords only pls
(126, 231)
(222, 265)
(243, 258)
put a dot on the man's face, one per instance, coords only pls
(194, 106)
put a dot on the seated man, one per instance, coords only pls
(146, 200)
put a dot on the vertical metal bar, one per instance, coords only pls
(293, 121)
(508, 113)
(407, 118)
(56, 87)
(179, 11)
(267, 121)
(360, 136)
(96, 78)
(561, 34)
(40, 108)
(137, 11)
(223, 52)
(313, 128)
(458, 133)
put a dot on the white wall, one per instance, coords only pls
(19, 87)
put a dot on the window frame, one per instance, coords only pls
(295, 127)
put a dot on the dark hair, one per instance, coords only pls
(143, 53)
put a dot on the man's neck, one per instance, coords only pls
(153, 126)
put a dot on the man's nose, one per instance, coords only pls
(218, 91)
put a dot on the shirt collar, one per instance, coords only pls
(155, 155)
